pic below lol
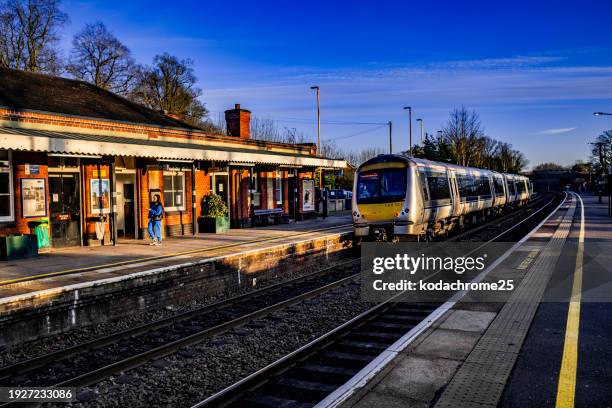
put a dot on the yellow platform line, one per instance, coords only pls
(153, 258)
(566, 390)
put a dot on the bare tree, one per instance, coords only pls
(29, 35)
(169, 86)
(465, 134)
(601, 151)
(100, 58)
(266, 129)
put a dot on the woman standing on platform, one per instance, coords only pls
(156, 213)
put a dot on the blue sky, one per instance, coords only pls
(534, 71)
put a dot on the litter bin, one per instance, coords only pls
(40, 229)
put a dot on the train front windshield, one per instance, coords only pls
(381, 186)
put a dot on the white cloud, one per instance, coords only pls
(557, 131)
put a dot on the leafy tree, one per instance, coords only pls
(29, 35)
(100, 58)
(169, 86)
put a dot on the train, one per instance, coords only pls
(396, 196)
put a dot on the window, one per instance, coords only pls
(483, 187)
(435, 186)
(7, 194)
(472, 187)
(510, 187)
(278, 188)
(380, 186)
(254, 183)
(465, 185)
(521, 187)
(498, 184)
(174, 191)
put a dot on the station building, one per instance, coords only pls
(87, 162)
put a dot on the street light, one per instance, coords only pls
(421, 123)
(321, 174)
(602, 114)
(318, 118)
(409, 108)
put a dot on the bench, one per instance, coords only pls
(270, 216)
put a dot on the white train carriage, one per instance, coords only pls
(394, 195)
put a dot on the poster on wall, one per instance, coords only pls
(33, 197)
(308, 195)
(99, 194)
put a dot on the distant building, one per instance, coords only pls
(73, 155)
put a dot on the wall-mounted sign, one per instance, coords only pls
(100, 174)
(99, 194)
(308, 195)
(33, 197)
(32, 169)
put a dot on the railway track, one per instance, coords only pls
(503, 226)
(307, 375)
(96, 360)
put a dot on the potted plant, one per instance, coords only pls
(214, 217)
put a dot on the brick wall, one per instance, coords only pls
(76, 124)
(177, 222)
(20, 226)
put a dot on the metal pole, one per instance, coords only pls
(409, 108)
(421, 122)
(194, 205)
(318, 121)
(390, 137)
(251, 196)
(113, 202)
(316, 88)
(410, 129)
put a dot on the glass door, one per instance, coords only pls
(64, 209)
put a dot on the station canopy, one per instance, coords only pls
(189, 149)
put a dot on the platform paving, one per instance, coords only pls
(132, 256)
(466, 358)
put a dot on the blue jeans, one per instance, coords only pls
(155, 230)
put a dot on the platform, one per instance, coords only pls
(83, 285)
(532, 349)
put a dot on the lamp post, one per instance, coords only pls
(421, 123)
(390, 137)
(409, 109)
(316, 88)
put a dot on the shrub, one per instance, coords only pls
(213, 206)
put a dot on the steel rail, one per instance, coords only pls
(234, 392)
(36, 362)
(169, 348)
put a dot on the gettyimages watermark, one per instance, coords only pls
(433, 272)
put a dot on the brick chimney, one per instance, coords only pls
(238, 122)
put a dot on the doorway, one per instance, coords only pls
(65, 209)
(220, 184)
(126, 205)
